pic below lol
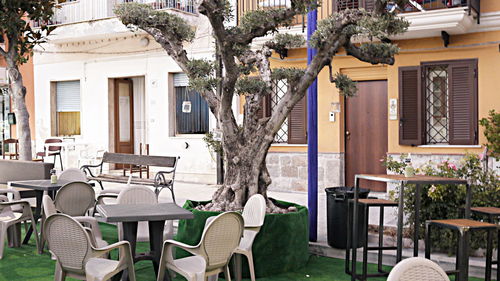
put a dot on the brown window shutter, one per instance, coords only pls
(265, 108)
(297, 123)
(463, 102)
(369, 5)
(410, 106)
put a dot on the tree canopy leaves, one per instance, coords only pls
(15, 17)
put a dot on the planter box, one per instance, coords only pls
(281, 245)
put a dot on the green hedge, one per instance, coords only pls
(281, 245)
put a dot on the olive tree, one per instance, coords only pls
(247, 72)
(20, 38)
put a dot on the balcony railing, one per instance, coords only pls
(88, 10)
(330, 6)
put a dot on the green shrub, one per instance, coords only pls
(448, 201)
(492, 133)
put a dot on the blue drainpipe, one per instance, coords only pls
(312, 136)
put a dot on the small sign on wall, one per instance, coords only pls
(393, 109)
(186, 106)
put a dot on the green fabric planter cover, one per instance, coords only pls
(282, 244)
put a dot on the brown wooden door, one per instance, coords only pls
(366, 133)
(124, 116)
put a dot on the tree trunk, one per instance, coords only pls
(246, 174)
(18, 92)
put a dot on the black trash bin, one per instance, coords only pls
(337, 199)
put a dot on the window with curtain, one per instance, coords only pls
(68, 108)
(191, 110)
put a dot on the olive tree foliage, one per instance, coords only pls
(20, 39)
(247, 72)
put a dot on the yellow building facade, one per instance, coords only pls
(471, 37)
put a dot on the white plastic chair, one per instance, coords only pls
(75, 198)
(417, 269)
(78, 258)
(142, 195)
(211, 256)
(253, 214)
(73, 174)
(50, 209)
(12, 213)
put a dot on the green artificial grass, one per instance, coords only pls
(25, 264)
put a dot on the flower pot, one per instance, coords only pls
(281, 245)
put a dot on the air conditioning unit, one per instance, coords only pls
(3, 76)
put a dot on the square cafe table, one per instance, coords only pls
(418, 180)
(155, 214)
(39, 186)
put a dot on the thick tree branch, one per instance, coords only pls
(3, 52)
(214, 10)
(356, 52)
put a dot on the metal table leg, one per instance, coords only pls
(468, 200)
(349, 238)
(355, 228)
(463, 256)
(399, 250)
(237, 267)
(489, 254)
(130, 235)
(418, 190)
(156, 244)
(427, 241)
(36, 215)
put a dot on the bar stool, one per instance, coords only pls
(463, 226)
(366, 204)
(492, 213)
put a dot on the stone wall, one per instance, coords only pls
(422, 159)
(289, 170)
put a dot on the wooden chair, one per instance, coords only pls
(52, 151)
(143, 150)
(10, 154)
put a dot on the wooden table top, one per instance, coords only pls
(417, 179)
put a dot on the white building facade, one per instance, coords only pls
(107, 88)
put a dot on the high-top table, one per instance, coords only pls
(401, 180)
(155, 214)
(39, 186)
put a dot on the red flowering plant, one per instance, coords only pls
(448, 201)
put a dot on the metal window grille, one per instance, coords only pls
(279, 89)
(347, 4)
(436, 104)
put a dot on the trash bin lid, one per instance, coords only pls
(347, 192)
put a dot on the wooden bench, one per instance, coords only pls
(159, 181)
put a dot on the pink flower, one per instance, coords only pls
(452, 166)
(481, 156)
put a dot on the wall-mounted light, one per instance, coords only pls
(334, 108)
